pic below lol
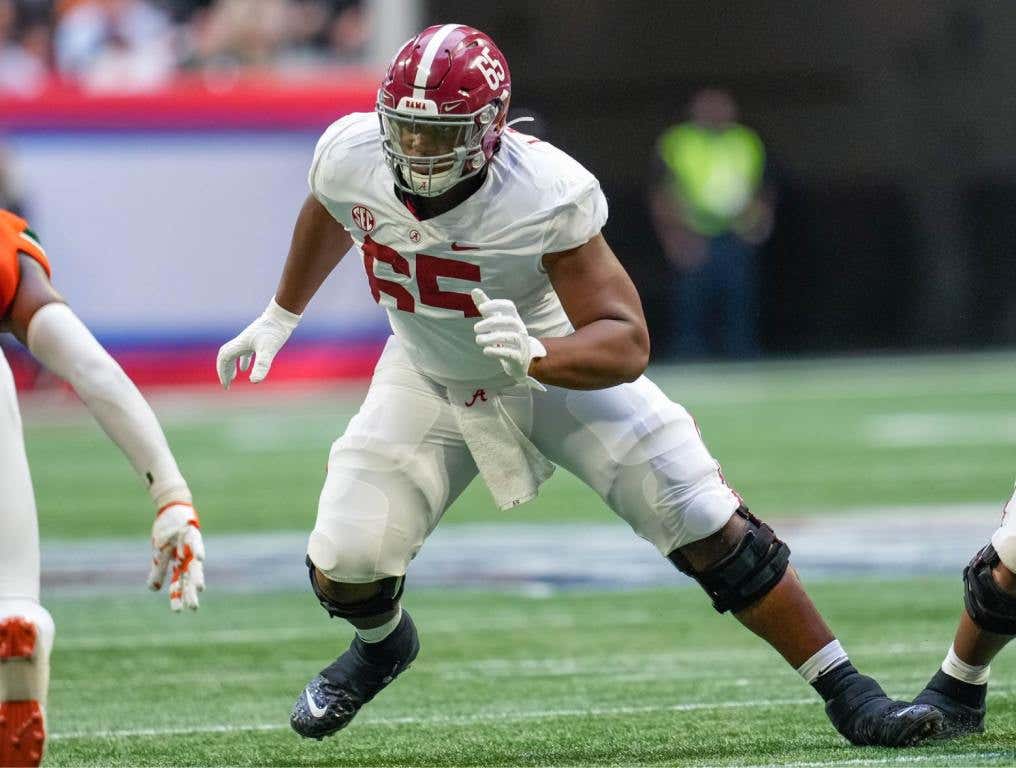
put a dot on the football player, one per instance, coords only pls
(519, 343)
(33, 311)
(960, 686)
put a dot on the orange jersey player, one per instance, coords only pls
(32, 310)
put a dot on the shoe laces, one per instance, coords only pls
(340, 701)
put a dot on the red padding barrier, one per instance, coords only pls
(195, 366)
(196, 102)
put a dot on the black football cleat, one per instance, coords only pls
(332, 699)
(962, 718)
(865, 716)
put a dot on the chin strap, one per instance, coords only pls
(525, 119)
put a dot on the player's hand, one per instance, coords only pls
(502, 334)
(177, 543)
(262, 339)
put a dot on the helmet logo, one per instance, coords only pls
(363, 217)
(492, 69)
(411, 104)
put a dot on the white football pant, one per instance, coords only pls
(402, 462)
(19, 530)
(1004, 539)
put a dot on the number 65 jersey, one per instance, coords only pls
(535, 200)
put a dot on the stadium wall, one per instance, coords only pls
(167, 217)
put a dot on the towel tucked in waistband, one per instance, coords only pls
(511, 466)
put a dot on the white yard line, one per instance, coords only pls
(450, 720)
(457, 720)
(919, 430)
(945, 759)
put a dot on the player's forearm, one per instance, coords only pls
(61, 342)
(318, 245)
(603, 354)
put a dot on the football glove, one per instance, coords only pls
(262, 339)
(177, 542)
(502, 335)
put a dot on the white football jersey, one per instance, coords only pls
(535, 200)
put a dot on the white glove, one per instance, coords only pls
(176, 540)
(502, 334)
(263, 339)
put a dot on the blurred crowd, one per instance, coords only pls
(142, 44)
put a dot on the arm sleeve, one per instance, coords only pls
(61, 342)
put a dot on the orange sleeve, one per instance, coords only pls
(15, 238)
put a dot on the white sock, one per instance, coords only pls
(954, 666)
(823, 660)
(61, 342)
(377, 634)
(19, 529)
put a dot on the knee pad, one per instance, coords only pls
(747, 573)
(990, 607)
(384, 600)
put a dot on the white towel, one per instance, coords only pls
(511, 466)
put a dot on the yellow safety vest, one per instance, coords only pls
(715, 174)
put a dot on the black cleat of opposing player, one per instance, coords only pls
(865, 716)
(333, 697)
(962, 704)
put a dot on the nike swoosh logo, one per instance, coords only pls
(457, 247)
(906, 710)
(315, 710)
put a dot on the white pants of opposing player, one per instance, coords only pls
(402, 462)
(19, 531)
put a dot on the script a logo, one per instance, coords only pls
(478, 394)
(364, 218)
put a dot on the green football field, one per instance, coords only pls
(617, 678)
(548, 677)
(805, 438)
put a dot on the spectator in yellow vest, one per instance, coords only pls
(712, 209)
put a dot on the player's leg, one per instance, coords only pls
(26, 629)
(780, 610)
(738, 290)
(644, 455)
(960, 687)
(398, 466)
(692, 305)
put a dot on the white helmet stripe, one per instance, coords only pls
(429, 53)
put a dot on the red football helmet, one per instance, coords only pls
(442, 106)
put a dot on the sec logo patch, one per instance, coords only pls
(364, 218)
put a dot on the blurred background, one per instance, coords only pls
(818, 205)
(843, 181)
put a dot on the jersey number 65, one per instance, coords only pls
(428, 270)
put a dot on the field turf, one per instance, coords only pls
(570, 678)
(794, 439)
(617, 678)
